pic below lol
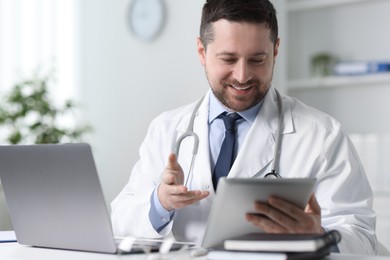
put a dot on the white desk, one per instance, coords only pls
(14, 251)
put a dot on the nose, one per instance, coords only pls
(242, 72)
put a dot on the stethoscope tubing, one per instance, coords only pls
(274, 171)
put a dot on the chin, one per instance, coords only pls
(238, 106)
(242, 103)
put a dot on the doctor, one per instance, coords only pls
(237, 47)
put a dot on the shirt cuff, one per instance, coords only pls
(158, 215)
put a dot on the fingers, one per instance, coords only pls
(188, 198)
(285, 208)
(174, 189)
(169, 178)
(279, 216)
(265, 223)
(271, 219)
(175, 196)
(171, 192)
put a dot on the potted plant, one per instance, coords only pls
(28, 115)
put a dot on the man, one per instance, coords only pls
(238, 46)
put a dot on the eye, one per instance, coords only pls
(257, 61)
(229, 60)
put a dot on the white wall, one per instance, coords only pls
(126, 82)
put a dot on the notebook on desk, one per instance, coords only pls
(55, 198)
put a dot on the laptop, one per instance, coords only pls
(55, 199)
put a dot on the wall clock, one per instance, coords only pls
(146, 18)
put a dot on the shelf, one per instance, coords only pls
(302, 5)
(339, 81)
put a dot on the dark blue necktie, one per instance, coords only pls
(226, 154)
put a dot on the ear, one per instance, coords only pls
(201, 51)
(276, 47)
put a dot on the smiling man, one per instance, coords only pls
(236, 123)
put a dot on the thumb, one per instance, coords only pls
(313, 206)
(175, 169)
(172, 164)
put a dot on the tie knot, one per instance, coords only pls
(230, 120)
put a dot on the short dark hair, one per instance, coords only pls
(251, 11)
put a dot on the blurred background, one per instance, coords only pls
(334, 56)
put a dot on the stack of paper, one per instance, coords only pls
(7, 236)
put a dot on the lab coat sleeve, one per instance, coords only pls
(130, 209)
(345, 195)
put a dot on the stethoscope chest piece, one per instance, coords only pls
(272, 175)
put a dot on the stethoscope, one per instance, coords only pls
(190, 133)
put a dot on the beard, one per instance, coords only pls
(237, 102)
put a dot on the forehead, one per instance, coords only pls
(241, 36)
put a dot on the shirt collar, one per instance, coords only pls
(216, 108)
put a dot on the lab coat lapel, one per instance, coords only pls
(202, 169)
(257, 151)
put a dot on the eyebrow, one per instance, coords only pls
(225, 53)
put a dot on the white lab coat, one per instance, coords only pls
(313, 145)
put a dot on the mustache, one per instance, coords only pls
(243, 85)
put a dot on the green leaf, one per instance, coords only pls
(15, 137)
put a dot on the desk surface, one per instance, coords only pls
(14, 251)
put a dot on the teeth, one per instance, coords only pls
(242, 88)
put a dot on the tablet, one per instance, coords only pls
(236, 196)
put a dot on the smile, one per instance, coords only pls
(241, 88)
